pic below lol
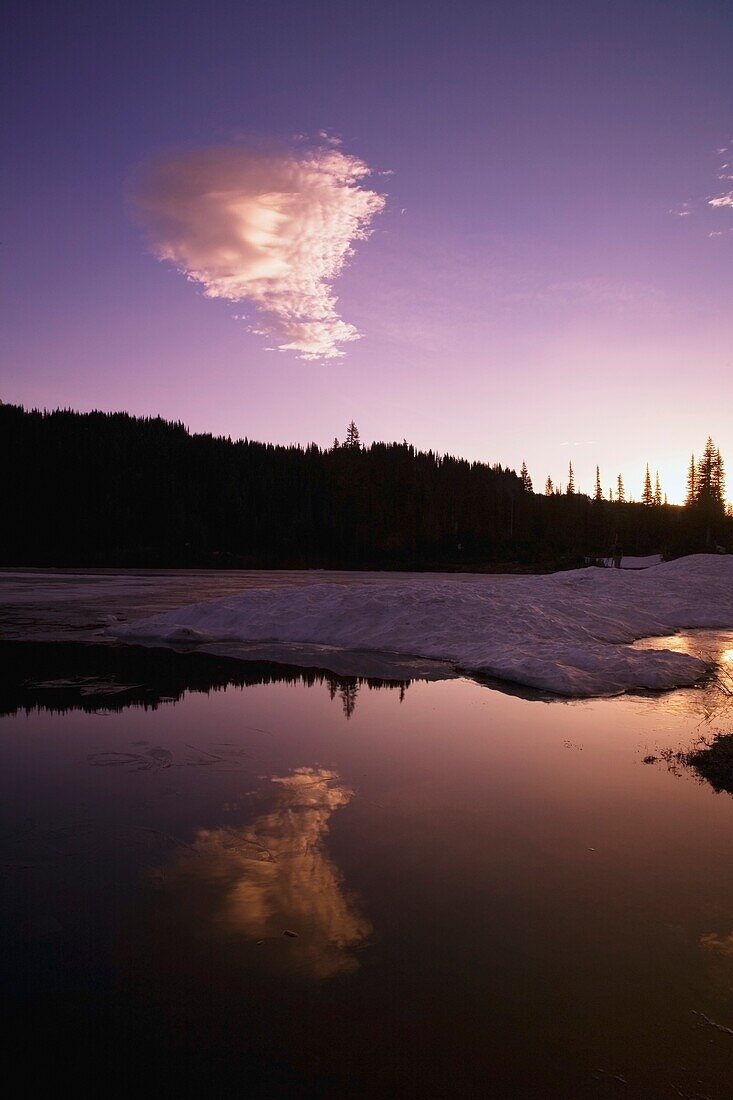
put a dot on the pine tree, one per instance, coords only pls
(549, 488)
(657, 491)
(526, 479)
(570, 491)
(335, 444)
(718, 480)
(352, 437)
(705, 473)
(610, 493)
(647, 497)
(710, 486)
(620, 491)
(691, 497)
(599, 490)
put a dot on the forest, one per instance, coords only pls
(110, 489)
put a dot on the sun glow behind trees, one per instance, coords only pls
(705, 484)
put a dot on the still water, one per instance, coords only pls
(226, 876)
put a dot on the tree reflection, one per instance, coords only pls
(65, 676)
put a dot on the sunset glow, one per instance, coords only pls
(546, 190)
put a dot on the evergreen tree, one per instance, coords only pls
(710, 487)
(526, 479)
(599, 490)
(647, 497)
(610, 493)
(657, 491)
(570, 491)
(705, 474)
(718, 480)
(352, 437)
(549, 489)
(620, 491)
(691, 497)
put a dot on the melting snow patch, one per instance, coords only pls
(568, 633)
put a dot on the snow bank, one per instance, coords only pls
(636, 563)
(567, 633)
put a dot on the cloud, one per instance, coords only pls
(273, 228)
(722, 200)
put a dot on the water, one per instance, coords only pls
(490, 895)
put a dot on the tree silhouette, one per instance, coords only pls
(352, 436)
(526, 479)
(599, 490)
(647, 496)
(570, 491)
(620, 491)
(691, 497)
(657, 491)
(710, 487)
(549, 488)
(718, 480)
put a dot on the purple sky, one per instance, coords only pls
(547, 280)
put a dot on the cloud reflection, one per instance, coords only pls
(721, 945)
(275, 875)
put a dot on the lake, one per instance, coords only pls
(221, 874)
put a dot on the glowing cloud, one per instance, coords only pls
(273, 228)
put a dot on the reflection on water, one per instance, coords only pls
(711, 700)
(67, 676)
(721, 945)
(269, 880)
(551, 918)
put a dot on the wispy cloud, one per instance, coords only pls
(273, 228)
(724, 174)
(722, 200)
(719, 202)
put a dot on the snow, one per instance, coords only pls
(568, 633)
(636, 563)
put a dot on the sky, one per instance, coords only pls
(502, 231)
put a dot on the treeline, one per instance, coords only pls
(99, 489)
